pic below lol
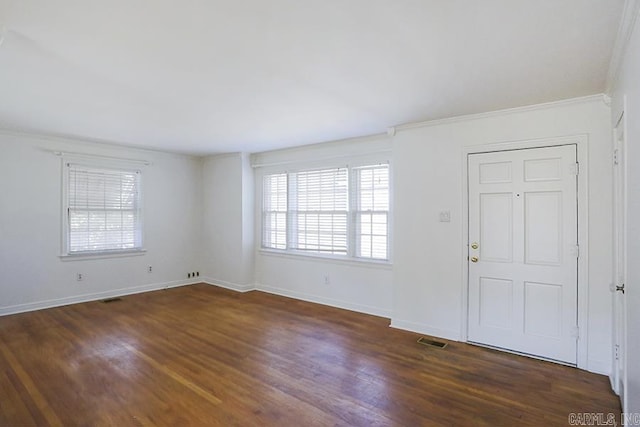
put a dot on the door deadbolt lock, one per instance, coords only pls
(474, 245)
(474, 259)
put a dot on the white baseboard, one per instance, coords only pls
(41, 305)
(376, 311)
(421, 328)
(599, 367)
(228, 285)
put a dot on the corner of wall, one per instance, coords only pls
(228, 219)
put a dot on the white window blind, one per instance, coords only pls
(318, 211)
(103, 210)
(274, 212)
(371, 211)
(335, 211)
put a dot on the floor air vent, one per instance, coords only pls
(431, 343)
(111, 300)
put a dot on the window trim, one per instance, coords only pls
(107, 164)
(102, 255)
(350, 257)
(313, 256)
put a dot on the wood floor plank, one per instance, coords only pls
(15, 402)
(202, 355)
(32, 389)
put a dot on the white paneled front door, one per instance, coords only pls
(523, 281)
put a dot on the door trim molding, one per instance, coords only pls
(619, 320)
(582, 144)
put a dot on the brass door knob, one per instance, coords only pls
(474, 245)
(474, 259)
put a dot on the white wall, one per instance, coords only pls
(32, 275)
(204, 215)
(428, 263)
(354, 285)
(628, 85)
(227, 222)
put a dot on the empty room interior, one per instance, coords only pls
(319, 213)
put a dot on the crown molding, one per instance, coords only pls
(477, 116)
(625, 30)
(62, 138)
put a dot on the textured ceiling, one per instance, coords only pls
(202, 77)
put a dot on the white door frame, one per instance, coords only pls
(581, 142)
(619, 323)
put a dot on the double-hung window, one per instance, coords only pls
(340, 211)
(319, 211)
(103, 210)
(371, 211)
(274, 211)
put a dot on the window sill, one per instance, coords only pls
(359, 262)
(102, 255)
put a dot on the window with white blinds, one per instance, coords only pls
(319, 210)
(371, 211)
(274, 213)
(335, 211)
(103, 210)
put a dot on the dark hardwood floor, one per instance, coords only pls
(200, 355)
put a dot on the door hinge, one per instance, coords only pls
(616, 352)
(616, 157)
(575, 251)
(575, 332)
(575, 169)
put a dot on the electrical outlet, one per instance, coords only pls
(150, 269)
(79, 277)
